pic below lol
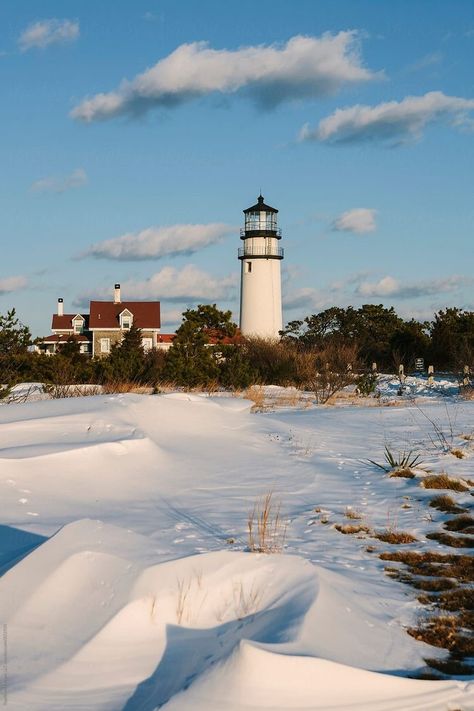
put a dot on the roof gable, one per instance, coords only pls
(106, 314)
(64, 322)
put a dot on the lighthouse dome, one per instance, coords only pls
(260, 206)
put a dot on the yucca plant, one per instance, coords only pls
(404, 460)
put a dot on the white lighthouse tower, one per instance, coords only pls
(260, 281)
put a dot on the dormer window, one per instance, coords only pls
(126, 320)
(78, 324)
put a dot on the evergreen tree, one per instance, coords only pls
(194, 357)
(15, 337)
(127, 359)
(452, 338)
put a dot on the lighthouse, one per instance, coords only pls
(260, 280)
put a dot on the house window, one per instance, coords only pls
(248, 267)
(84, 348)
(147, 344)
(105, 345)
(78, 326)
(126, 320)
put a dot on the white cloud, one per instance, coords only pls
(392, 122)
(76, 179)
(304, 67)
(13, 283)
(44, 33)
(389, 286)
(189, 284)
(157, 242)
(360, 220)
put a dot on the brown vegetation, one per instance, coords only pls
(444, 579)
(446, 503)
(266, 528)
(454, 541)
(351, 529)
(394, 537)
(443, 481)
(464, 523)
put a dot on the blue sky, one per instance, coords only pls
(354, 117)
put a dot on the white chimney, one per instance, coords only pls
(60, 307)
(117, 294)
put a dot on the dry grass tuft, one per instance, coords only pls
(453, 600)
(445, 631)
(457, 453)
(446, 565)
(402, 473)
(394, 537)
(467, 392)
(463, 523)
(446, 503)
(113, 387)
(427, 584)
(445, 580)
(353, 514)
(256, 393)
(266, 528)
(453, 541)
(351, 529)
(443, 481)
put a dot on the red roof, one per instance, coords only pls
(65, 322)
(64, 338)
(105, 314)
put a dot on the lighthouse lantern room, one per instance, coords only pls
(260, 282)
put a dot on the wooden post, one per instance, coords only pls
(374, 367)
(430, 374)
(466, 379)
(401, 373)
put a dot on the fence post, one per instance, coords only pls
(401, 373)
(466, 379)
(374, 367)
(430, 374)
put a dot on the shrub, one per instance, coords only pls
(367, 383)
(327, 371)
(402, 462)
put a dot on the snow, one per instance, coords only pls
(128, 584)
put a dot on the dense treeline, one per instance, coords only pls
(383, 337)
(208, 350)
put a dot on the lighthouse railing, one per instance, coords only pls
(269, 251)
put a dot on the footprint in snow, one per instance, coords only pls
(22, 501)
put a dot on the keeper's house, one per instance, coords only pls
(104, 325)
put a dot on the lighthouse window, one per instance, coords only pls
(248, 267)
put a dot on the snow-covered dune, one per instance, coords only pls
(127, 583)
